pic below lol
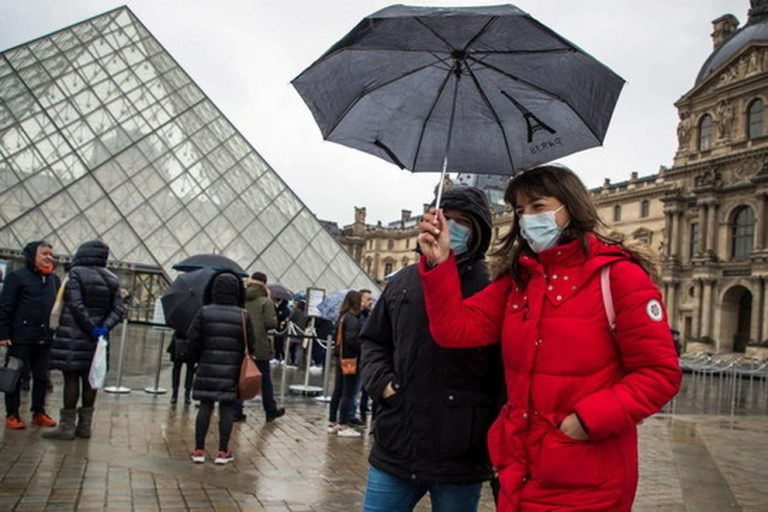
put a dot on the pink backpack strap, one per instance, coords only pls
(605, 287)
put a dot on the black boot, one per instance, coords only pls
(187, 397)
(175, 396)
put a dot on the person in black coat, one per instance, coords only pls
(93, 306)
(347, 347)
(25, 307)
(218, 334)
(435, 405)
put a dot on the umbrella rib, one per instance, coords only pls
(540, 89)
(427, 118)
(441, 38)
(480, 32)
(493, 113)
(368, 91)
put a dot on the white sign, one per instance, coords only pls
(314, 297)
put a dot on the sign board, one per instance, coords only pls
(314, 297)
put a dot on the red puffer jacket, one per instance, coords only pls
(561, 358)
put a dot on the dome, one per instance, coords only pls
(752, 32)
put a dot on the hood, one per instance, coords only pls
(30, 251)
(471, 201)
(93, 253)
(225, 287)
(255, 290)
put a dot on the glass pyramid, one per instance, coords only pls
(103, 135)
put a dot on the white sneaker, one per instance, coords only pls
(274, 362)
(348, 432)
(314, 370)
(333, 428)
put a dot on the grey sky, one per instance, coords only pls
(243, 54)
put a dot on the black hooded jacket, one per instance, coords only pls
(216, 334)
(26, 302)
(91, 299)
(433, 429)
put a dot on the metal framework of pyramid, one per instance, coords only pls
(103, 135)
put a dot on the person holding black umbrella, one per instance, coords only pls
(587, 347)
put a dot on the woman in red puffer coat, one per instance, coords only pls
(567, 437)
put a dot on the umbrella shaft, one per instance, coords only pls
(447, 142)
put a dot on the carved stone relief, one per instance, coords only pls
(725, 119)
(709, 178)
(750, 63)
(684, 131)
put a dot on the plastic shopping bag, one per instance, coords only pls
(99, 364)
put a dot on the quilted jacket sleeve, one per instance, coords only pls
(473, 322)
(652, 370)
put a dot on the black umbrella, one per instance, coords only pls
(278, 291)
(214, 261)
(184, 297)
(485, 90)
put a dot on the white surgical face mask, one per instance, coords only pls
(540, 230)
(459, 236)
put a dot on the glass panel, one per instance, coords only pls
(69, 169)
(183, 225)
(257, 236)
(32, 226)
(238, 214)
(94, 152)
(8, 239)
(330, 281)
(63, 113)
(172, 134)
(270, 184)
(11, 86)
(6, 118)
(221, 231)
(121, 240)
(161, 61)
(220, 192)
(344, 267)
(34, 76)
(42, 185)
(169, 167)
(190, 122)
(43, 48)
(203, 209)
(7, 176)
(13, 140)
(23, 106)
(65, 40)
(37, 127)
(53, 147)
(311, 263)
(239, 148)
(126, 197)
(71, 83)
(165, 204)
(200, 243)
(222, 129)
(26, 162)
(148, 181)
(14, 202)
(239, 179)
(78, 133)
(56, 66)
(155, 115)
(325, 246)
(77, 231)
(144, 221)
(132, 160)
(292, 241)
(20, 57)
(186, 153)
(185, 188)
(204, 174)
(277, 259)
(240, 252)
(86, 191)
(255, 198)
(222, 160)
(140, 255)
(273, 218)
(306, 223)
(295, 279)
(103, 215)
(288, 204)
(86, 102)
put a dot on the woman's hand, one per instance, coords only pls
(572, 427)
(434, 239)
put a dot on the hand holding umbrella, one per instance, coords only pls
(434, 240)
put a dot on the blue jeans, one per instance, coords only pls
(386, 493)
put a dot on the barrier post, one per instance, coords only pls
(158, 390)
(119, 389)
(326, 397)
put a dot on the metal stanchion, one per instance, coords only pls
(158, 390)
(284, 364)
(326, 397)
(306, 389)
(119, 389)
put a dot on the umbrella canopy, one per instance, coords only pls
(184, 297)
(278, 291)
(329, 308)
(489, 89)
(214, 261)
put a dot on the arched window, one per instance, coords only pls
(388, 268)
(742, 232)
(645, 209)
(755, 119)
(705, 133)
(390, 245)
(617, 213)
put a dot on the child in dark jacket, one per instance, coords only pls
(218, 333)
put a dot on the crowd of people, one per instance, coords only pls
(530, 372)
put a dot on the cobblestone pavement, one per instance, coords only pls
(138, 459)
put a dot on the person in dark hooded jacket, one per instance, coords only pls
(435, 405)
(25, 306)
(93, 306)
(218, 334)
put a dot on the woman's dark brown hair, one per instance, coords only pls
(352, 303)
(563, 184)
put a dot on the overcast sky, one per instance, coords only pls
(244, 53)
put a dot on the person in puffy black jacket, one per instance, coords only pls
(25, 306)
(218, 334)
(435, 405)
(93, 306)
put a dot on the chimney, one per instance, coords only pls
(724, 27)
(405, 215)
(633, 176)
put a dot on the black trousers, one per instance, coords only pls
(204, 420)
(34, 358)
(188, 377)
(342, 400)
(72, 382)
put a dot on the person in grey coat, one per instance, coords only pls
(218, 335)
(92, 308)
